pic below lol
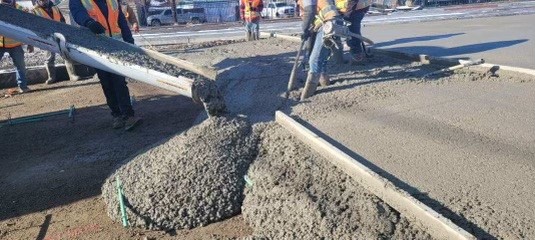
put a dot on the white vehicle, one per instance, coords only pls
(278, 10)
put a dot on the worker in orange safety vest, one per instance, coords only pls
(46, 9)
(15, 51)
(104, 17)
(250, 14)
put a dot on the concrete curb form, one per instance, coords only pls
(417, 57)
(437, 225)
(38, 74)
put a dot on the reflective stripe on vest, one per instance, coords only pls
(249, 14)
(8, 42)
(325, 12)
(39, 11)
(112, 23)
(342, 5)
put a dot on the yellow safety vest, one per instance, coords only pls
(326, 11)
(39, 11)
(341, 5)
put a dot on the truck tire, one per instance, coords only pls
(195, 20)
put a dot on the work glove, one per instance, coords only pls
(95, 27)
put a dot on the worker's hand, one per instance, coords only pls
(95, 27)
(135, 27)
(30, 49)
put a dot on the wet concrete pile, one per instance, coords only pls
(296, 193)
(191, 180)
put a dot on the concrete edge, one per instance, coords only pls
(38, 74)
(416, 57)
(437, 225)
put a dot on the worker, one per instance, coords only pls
(250, 14)
(130, 16)
(353, 12)
(46, 9)
(15, 51)
(104, 17)
(325, 11)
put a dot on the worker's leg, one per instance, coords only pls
(125, 105)
(17, 54)
(106, 80)
(355, 44)
(248, 32)
(122, 95)
(69, 65)
(256, 30)
(318, 64)
(50, 67)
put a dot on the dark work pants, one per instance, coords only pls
(116, 93)
(355, 18)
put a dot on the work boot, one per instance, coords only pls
(248, 36)
(324, 80)
(70, 70)
(118, 122)
(131, 122)
(51, 70)
(256, 36)
(310, 86)
(23, 90)
(357, 58)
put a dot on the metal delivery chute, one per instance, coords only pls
(115, 56)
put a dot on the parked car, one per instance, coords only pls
(278, 10)
(163, 16)
(159, 3)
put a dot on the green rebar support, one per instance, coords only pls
(120, 196)
(248, 181)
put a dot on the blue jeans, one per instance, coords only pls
(319, 55)
(355, 18)
(116, 93)
(253, 27)
(17, 54)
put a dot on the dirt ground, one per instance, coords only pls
(52, 171)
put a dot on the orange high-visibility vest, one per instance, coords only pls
(8, 42)
(39, 11)
(249, 14)
(112, 23)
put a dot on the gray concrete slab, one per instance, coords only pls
(502, 40)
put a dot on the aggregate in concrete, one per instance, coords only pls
(297, 194)
(193, 179)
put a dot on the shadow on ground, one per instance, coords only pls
(52, 163)
(457, 51)
(416, 39)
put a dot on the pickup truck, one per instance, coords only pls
(162, 16)
(278, 10)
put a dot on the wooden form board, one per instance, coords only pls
(437, 225)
